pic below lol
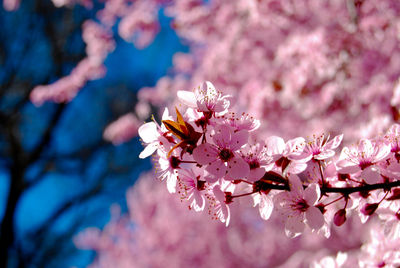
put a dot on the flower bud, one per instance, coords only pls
(340, 217)
(369, 209)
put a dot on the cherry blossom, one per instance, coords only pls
(223, 158)
(297, 206)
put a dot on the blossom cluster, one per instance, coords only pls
(210, 156)
(158, 231)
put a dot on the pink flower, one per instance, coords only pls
(241, 122)
(297, 206)
(363, 158)
(319, 148)
(192, 188)
(258, 160)
(122, 130)
(218, 209)
(152, 135)
(205, 98)
(265, 204)
(223, 158)
(393, 137)
(168, 167)
(283, 153)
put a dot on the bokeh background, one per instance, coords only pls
(68, 175)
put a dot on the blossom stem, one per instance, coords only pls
(240, 195)
(337, 199)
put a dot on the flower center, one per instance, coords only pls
(364, 164)
(174, 162)
(301, 205)
(225, 155)
(254, 164)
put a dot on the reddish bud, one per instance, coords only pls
(395, 195)
(340, 217)
(369, 209)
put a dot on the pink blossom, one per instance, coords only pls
(192, 188)
(205, 98)
(363, 158)
(258, 160)
(283, 153)
(11, 5)
(153, 136)
(297, 206)
(122, 130)
(265, 205)
(319, 148)
(222, 158)
(240, 122)
(217, 207)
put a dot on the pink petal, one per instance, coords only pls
(238, 168)
(383, 152)
(312, 194)
(198, 201)
(324, 155)
(371, 175)
(265, 207)
(217, 168)
(294, 226)
(256, 174)
(349, 169)
(275, 145)
(222, 138)
(335, 142)
(296, 187)
(304, 156)
(239, 139)
(295, 145)
(188, 98)
(314, 217)
(171, 184)
(365, 146)
(296, 167)
(148, 132)
(148, 150)
(205, 154)
(210, 178)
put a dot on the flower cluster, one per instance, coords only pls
(210, 156)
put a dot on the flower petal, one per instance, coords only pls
(294, 226)
(217, 168)
(275, 145)
(188, 98)
(171, 183)
(334, 143)
(148, 150)
(314, 217)
(148, 132)
(296, 187)
(265, 206)
(205, 154)
(371, 175)
(238, 168)
(324, 154)
(312, 194)
(239, 139)
(349, 169)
